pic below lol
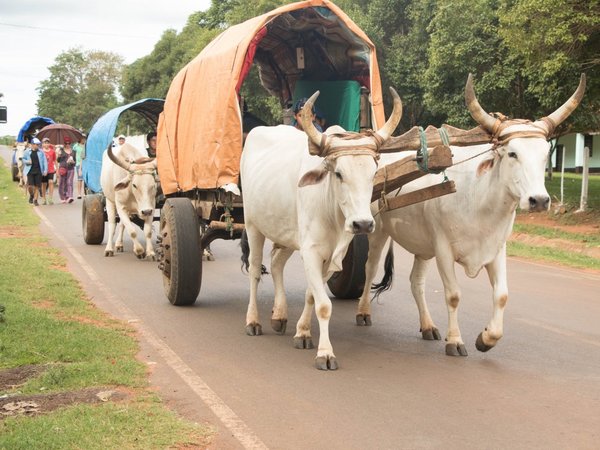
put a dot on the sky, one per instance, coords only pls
(34, 32)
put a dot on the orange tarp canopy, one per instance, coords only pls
(200, 129)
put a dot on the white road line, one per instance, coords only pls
(557, 330)
(225, 414)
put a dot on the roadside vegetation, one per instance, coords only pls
(562, 235)
(69, 377)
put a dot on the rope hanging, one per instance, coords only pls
(422, 153)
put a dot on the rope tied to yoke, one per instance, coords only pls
(422, 157)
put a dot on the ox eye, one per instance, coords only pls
(339, 176)
(512, 155)
(134, 186)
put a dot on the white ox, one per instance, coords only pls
(19, 152)
(313, 204)
(471, 226)
(129, 186)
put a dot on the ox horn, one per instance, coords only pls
(307, 121)
(118, 161)
(557, 117)
(486, 121)
(388, 128)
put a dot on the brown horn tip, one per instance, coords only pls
(388, 128)
(307, 121)
(564, 111)
(486, 121)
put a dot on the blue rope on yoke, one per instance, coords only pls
(422, 153)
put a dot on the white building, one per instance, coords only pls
(572, 145)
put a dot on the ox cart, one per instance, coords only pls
(297, 49)
(94, 213)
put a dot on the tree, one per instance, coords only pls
(81, 87)
(556, 40)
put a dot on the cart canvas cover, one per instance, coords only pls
(200, 129)
(103, 132)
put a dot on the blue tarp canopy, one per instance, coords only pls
(35, 123)
(103, 132)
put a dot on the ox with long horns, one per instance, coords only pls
(129, 183)
(471, 226)
(312, 195)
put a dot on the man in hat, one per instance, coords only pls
(35, 166)
(297, 122)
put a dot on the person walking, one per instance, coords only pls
(79, 148)
(48, 180)
(35, 167)
(66, 171)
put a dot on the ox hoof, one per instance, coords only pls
(119, 248)
(151, 257)
(326, 363)
(456, 350)
(109, 253)
(432, 334)
(279, 325)
(140, 255)
(363, 320)
(254, 329)
(481, 346)
(208, 255)
(303, 343)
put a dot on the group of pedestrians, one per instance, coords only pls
(43, 166)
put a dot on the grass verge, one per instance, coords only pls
(553, 255)
(49, 322)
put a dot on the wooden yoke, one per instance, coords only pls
(457, 136)
(401, 172)
(406, 170)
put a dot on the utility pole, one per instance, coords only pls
(584, 181)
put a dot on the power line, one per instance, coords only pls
(71, 31)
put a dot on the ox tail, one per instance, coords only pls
(246, 255)
(388, 275)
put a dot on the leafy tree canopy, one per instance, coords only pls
(81, 87)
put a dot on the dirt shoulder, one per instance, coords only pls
(587, 225)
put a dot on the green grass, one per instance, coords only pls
(556, 233)
(138, 425)
(553, 255)
(49, 321)
(572, 190)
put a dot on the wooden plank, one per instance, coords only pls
(406, 170)
(420, 195)
(411, 139)
(215, 225)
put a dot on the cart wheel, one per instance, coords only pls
(180, 253)
(349, 283)
(92, 219)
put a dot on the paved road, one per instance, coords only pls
(539, 388)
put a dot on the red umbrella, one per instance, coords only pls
(57, 132)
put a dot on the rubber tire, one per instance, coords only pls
(92, 219)
(350, 282)
(180, 229)
(15, 172)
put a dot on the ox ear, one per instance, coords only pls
(311, 177)
(485, 166)
(123, 184)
